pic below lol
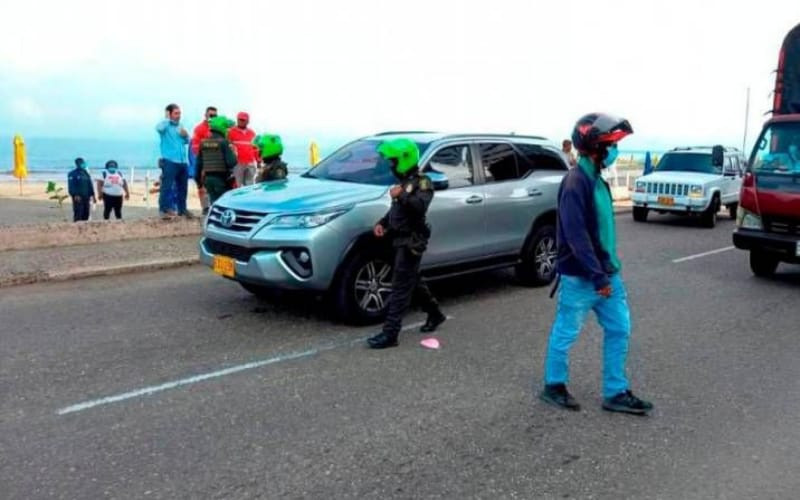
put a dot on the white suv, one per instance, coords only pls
(695, 181)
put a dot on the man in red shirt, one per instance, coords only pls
(246, 152)
(201, 131)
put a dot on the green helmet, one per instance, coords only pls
(220, 124)
(270, 145)
(404, 151)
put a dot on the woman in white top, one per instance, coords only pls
(112, 186)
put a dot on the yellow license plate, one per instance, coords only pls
(666, 200)
(224, 266)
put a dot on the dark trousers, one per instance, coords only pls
(216, 185)
(406, 284)
(112, 203)
(80, 209)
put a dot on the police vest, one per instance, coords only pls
(213, 155)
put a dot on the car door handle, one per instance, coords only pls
(474, 199)
(534, 192)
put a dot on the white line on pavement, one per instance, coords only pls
(146, 391)
(704, 254)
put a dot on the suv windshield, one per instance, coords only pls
(778, 149)
(687, 162)
(357, 162)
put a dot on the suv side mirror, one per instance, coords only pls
(717, 156)
(440, 181)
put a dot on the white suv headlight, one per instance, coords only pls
(641, 186)
(305, 221)
(696, 191)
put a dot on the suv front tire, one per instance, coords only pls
(362, 291)
(640, 214)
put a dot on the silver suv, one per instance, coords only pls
(494, 206)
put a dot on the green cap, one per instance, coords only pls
(269, 144)
(404, 151)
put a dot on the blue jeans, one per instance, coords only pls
(174, 178)
(576, 298)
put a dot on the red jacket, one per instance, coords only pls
(242, 140)
(201, 131)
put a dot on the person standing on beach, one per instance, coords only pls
(201, 132)
(589, 270)
(174, 171)
(81, 190)
(216, 160)
(246, 153)
(111, 188)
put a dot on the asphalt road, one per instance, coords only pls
(317, 415)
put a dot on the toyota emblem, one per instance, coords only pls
(228, 218)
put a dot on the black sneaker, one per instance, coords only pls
(433, 322)
(382, 341)
(557, 395)
(626, 402)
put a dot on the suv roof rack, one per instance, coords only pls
(689, 148)
(395, 132)
(516, 136)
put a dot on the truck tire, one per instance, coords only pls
(709, 218)
(538, 266)
(640, 214)
(763, 265)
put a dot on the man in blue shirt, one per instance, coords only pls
(174, 168)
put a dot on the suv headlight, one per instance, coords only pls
(696, 191)
(746, 219)
(641, 186)
(305, 221)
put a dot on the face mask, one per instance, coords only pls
(112, 170)
(611, 157)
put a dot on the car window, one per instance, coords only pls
(499, 161)
(535, 157)
(358, 162)
(455, 163)
(778, 150)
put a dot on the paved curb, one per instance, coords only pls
(57, 234)
(90, 272)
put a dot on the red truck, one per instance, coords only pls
(768, 219)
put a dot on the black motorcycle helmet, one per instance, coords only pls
(594, 132)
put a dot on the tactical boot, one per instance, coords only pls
(432, 323)
(382, 341)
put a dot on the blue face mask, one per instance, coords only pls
(112, 170)
(611, 157)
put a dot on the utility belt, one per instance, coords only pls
(415, 241)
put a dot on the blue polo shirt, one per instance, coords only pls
(173, 146)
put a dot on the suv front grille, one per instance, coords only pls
(668, 189)
(241, 221)
(782, 226)
(242, 254)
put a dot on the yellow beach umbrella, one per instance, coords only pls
(20, 163)
(314, 151)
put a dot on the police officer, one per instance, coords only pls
(272, 167)
(81, 190)
(405, 225)
(216, 159)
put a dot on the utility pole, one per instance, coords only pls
(746, 120)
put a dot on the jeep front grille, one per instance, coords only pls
(242, 221)
(668, 189)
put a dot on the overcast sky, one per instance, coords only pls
(678, 70)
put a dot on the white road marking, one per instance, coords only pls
(146, 391)
(700, 255)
